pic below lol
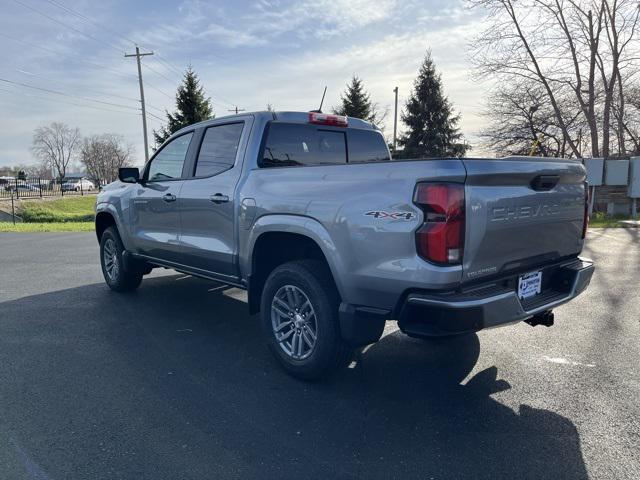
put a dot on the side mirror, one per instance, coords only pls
(129, 175)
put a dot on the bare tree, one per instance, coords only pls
(38, 170)
(55, 146)
(577, 48)
(521, 122)
(630, 118)
(103, 155)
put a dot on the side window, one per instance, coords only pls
(298, 145)
(367, 146)
(168, 162)
(218, 150)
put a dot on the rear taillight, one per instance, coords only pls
(440, 239)
(585, 225)
(328, 119)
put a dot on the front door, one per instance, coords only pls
(155, 203)
(208, 203)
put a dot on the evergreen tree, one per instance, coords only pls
(432, 125)
(191, 107)
(356, 102)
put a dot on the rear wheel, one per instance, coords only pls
(117, 274)
(299, 312)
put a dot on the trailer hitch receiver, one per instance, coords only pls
(544, 318)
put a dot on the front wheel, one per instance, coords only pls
(299, 312)
(117, 274)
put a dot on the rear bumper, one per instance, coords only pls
(427, 314)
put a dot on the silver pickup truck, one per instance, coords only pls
(331, 237)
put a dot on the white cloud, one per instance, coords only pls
(321, 18)
(267, 19)
(229, 37)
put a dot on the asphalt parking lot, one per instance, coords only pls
(173, 382)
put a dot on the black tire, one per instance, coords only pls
(118, 276)
(329, 352)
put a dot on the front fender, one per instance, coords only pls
(116, 213)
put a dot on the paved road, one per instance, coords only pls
(174, 382)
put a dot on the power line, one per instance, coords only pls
(83, 17)
(57, 52)
(162, 61)
(158, 90)
(66, 94)
(170, 66)
(155, 116)
(219, 98)
(177, 76)
(67, 26)
(92, 63)
(154, 107)
(43, 97)
(89, 20)
(114, 95)
(158, 73)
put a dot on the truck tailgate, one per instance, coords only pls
(521, 212)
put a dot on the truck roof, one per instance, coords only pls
(286, 116)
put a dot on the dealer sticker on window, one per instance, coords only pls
(530, 284)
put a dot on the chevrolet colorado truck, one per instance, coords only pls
(332, 238)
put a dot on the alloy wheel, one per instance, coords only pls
(294, 322)
(110, 257)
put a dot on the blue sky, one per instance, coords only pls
(247, 53)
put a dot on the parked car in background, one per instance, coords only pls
(4, 181)
(78, 185)
(332, 238)
(22, 187)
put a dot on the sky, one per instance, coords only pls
(246, 53)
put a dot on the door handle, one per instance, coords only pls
(169, 197)
(219, 198)
(544, 183)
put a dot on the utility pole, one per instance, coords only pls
(236, 110)
(144, 112)
(395, 120)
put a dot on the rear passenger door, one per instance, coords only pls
(209, 208)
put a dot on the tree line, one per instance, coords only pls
(431, 123)
(59, 147)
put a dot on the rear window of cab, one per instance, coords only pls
(295, 144)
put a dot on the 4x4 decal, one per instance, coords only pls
(391, 215)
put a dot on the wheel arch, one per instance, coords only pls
(104, 220)
(108, 215)
(275, 241)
